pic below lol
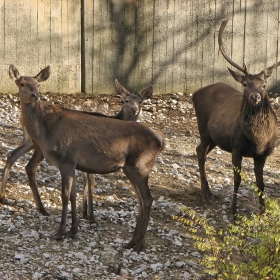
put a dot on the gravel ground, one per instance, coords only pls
(29, 252)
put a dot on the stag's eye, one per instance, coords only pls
(21, 84)
(264, 86)
(244, 84)
(126, 101)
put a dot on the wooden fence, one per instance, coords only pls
(171, 44)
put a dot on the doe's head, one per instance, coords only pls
(28, 86)
(133, 102)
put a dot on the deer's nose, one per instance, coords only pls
(255, 97)
(35, 96)
(134, 109)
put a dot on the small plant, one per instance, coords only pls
(248, 249)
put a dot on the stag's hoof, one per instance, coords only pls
(92, 220)
(71, 233)
(207, 197)
(85, 215)
(44, 212)
(3, 199)
(59, 235)
(138, 247)
(130, 244)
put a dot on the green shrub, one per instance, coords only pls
(247, 249)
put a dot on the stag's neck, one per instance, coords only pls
(259, 123)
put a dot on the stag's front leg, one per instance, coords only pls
(259, 163)
(236, 161)
(145, 199)
(67, 172)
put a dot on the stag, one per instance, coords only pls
(243, 124)
(73, 140)
(130, 111)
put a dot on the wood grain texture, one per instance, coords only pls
(170, 44)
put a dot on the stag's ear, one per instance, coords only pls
(13, 72)
(121, 90)
(238, 77)
(147, 93)
(44, 74)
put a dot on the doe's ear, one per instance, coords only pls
(13, 72)
(238, 77)
(121, 90)
(44, 74)
(147, 93)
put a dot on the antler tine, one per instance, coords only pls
(222, 50)
(269, 70)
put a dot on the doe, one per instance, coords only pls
(73, 140)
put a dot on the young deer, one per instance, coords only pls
(243, 124)
(73, 140)
(130, 111)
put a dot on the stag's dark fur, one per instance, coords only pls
(243, 124)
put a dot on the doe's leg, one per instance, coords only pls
(145, 199)
(31, 169)
(67, 172)
(13, 156)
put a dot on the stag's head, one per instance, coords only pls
(254, 84)
(28, 86)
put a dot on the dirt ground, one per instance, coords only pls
(173, 183)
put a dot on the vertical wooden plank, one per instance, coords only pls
(97, 23)
(190, 41)
(198, 7)
(272, 16)
(223, 10)
(4, 82)
(74, 46)
(10, 41)
(180, 46)
(145, 45)
(169, 59)
(208, 44)
(255, 34)
(89, 43)
(33, 37)
(238, 27)
(130, 59)
(109, 68)
(44, 42)
(65, 37)
(159, 52)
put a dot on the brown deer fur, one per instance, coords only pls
(73, 140)
(243, 124)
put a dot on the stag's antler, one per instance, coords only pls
(220, 40)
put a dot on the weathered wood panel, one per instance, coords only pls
(171, 44)
(37, 33)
